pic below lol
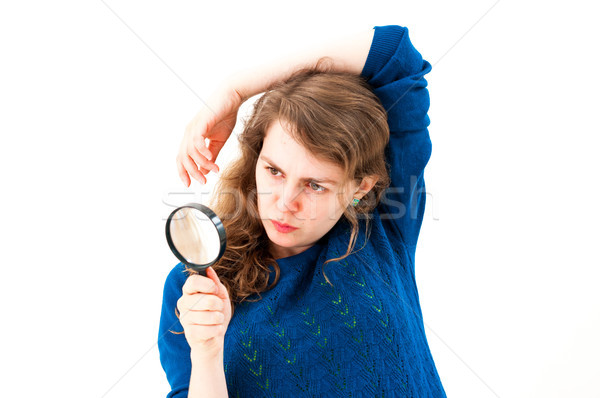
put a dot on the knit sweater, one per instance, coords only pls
(364, 336)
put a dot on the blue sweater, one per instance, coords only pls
(363, 337)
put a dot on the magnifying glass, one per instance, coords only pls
(196, 236)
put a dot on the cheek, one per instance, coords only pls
(261, 183)
(264, 191)
(259, 189)
(322, 210)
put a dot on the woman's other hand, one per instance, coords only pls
(215, 122)
(205, 312)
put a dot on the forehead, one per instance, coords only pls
(293, 158)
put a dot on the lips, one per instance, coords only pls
(283, 227)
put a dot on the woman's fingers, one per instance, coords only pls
(200, 146)
(213, 122)
(199, 284)
(215, 146)
(203, 162)
(200, 333)
(205, 318)
(201, 310)
(200, 302)
(202, 325)
(192, 169)
(194, 162)
(199, 160)
(195, 155)
(221, 289)
(183, 175)
(210, 273)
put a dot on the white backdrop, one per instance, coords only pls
(95, 97)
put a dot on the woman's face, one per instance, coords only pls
(296, 189)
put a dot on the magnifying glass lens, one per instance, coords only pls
(196, 236)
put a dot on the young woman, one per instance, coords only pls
(316, 292)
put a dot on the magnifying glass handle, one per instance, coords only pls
(199, 270)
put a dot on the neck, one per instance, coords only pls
(282, 252)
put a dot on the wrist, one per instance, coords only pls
(203, 357)
(245, 84)
(207, 378)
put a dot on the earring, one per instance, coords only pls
(355, 201)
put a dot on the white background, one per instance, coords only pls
(95, 96)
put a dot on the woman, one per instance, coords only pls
(316, 294)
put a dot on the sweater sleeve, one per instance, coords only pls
(173, 348)
(395, 69)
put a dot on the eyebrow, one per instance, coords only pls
(305, 179)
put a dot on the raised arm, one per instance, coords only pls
(216, 121)
(347, 54)
(395, 70)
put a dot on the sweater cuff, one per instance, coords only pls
(385, 42)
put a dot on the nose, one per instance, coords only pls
(288, 200)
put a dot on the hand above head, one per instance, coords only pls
(205, 312)
(215, 121)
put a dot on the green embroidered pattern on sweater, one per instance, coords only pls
(290, 357)
(252, 354)
(383, 318)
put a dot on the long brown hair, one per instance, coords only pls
(337, 118)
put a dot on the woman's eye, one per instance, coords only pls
(314, 187)
(272, 171)
(318, 187)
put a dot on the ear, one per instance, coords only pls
(365, 186)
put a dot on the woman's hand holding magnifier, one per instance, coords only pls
(205, 312)
(215, 122)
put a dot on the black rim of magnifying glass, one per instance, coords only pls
(216, 222)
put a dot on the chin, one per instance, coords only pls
(283, 240)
